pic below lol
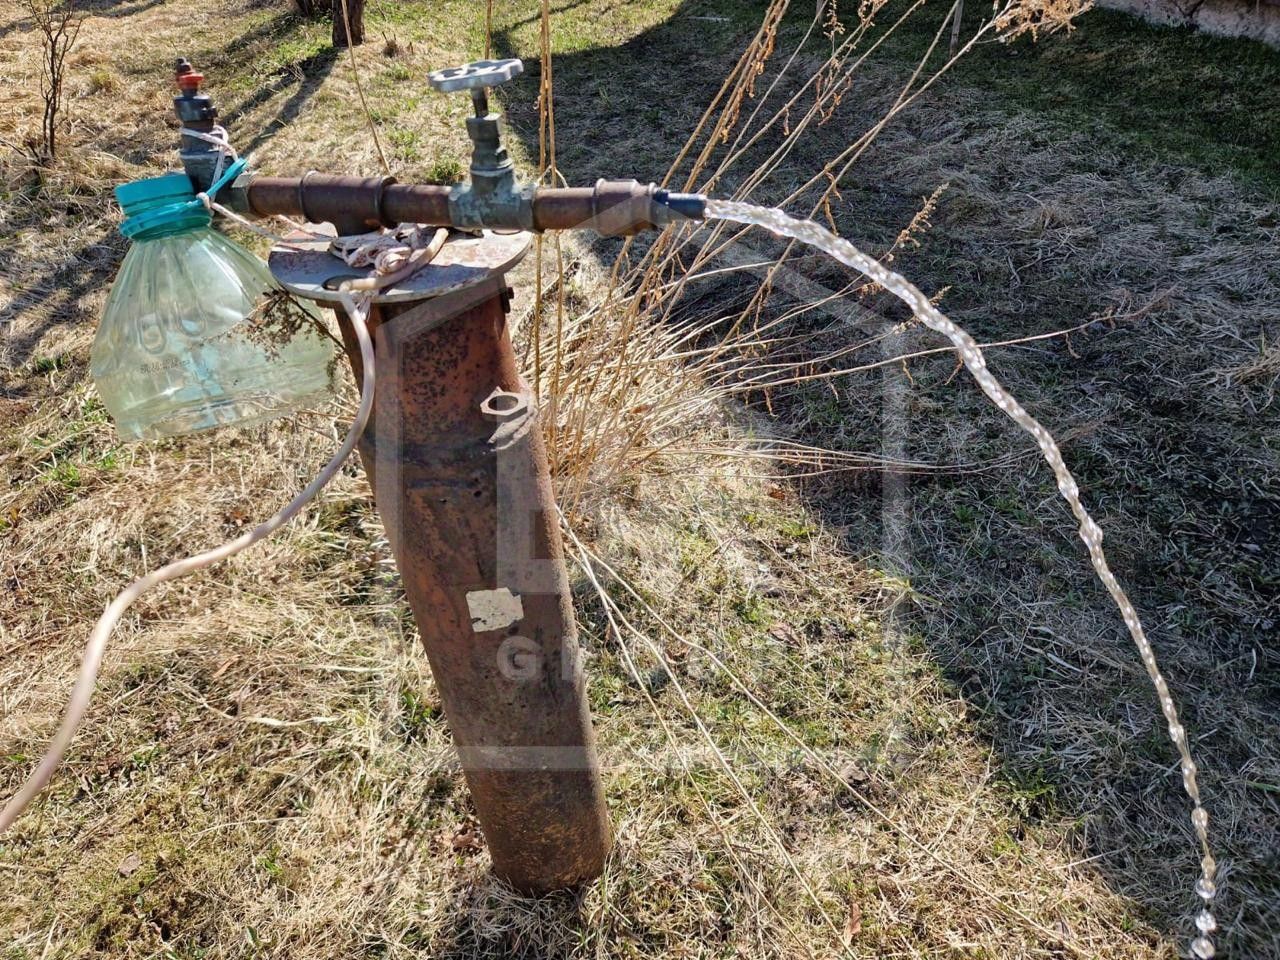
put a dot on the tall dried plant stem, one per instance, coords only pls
(550, 173)
(618, 410)
(364, 104)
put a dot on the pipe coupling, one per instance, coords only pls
(620, 208)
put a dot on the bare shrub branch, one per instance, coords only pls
(58, 25)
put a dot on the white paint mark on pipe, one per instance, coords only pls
(494, 609)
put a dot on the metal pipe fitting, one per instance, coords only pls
(614, 208)
(491, 199)
(195, 111)
(354, 204)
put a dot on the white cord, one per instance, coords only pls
(219, 137)
(358, 310)
(394, 255)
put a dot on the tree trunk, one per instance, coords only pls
(354, 14)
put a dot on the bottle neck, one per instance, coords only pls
(167, 230)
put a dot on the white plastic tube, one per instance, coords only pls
(81, 694)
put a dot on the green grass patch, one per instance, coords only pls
(1167, 93)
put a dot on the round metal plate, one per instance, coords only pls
(307, 269)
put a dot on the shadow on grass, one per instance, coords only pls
(85, 270)
(307, 80)
(111, 9)
(490, 920)
(1158, 99)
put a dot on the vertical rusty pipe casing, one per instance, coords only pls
(460, 477)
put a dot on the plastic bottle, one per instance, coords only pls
(172, 354)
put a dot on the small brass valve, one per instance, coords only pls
(493, 195)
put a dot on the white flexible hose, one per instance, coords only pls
(78, 703)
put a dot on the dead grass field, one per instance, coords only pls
(266, 772)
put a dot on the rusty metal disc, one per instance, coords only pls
(307, 268)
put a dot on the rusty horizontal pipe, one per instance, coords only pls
(370, 202)
(611, 207)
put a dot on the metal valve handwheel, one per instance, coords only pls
(472, 76)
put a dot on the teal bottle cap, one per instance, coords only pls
(160, 206)
(171, 188)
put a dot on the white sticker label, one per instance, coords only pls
(494, 609)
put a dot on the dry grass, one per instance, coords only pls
(268, 773)
(1176, 457)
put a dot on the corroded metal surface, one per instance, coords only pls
(308, 269)
(460, 477)
(356, 205)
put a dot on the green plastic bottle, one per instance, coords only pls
(172, 354)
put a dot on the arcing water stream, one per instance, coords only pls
(819, 237)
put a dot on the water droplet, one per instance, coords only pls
(1205, 888)
(1205, 922)
(1202, 947)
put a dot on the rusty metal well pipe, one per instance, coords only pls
(456, 459)
(459, 470)
(461, 479)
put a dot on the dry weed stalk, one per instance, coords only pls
(58, 25)
(637, 376)
(1260, 375)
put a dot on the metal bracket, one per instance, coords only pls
(306, 268)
